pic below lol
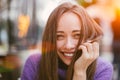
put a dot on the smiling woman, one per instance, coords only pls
(70, 48)
(67, 38)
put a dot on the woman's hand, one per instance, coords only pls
(90, 51)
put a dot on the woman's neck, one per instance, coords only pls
(62, 65)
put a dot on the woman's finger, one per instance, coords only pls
(89, 47)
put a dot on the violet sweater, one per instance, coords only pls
(104, 69)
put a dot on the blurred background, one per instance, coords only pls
(22, 23)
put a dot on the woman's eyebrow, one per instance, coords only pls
(60, 32)
(76, 31)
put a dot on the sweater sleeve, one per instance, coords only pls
(104, 70)
(30, 68)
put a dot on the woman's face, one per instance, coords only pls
(68, 33)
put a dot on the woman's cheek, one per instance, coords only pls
(60, 44)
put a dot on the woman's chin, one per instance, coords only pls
(67, 62)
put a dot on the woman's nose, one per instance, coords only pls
(69, 44)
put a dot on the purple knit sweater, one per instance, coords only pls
(104, 70)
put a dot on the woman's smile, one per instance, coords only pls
(68, 54)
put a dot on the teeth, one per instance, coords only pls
(69, 55)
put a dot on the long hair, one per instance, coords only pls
(48, 66)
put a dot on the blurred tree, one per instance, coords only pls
(116, 41)
(33, 29)
(2, 8)
(28, 28)
(10, 27)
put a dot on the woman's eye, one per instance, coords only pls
(60, 37)
(77, 36)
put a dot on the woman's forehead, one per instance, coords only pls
(68, 20)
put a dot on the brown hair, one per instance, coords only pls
(48, 66)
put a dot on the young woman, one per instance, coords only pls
(70, 48)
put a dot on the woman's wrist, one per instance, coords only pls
(79, 75)
(80, 70)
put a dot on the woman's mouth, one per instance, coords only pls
(68, 54)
